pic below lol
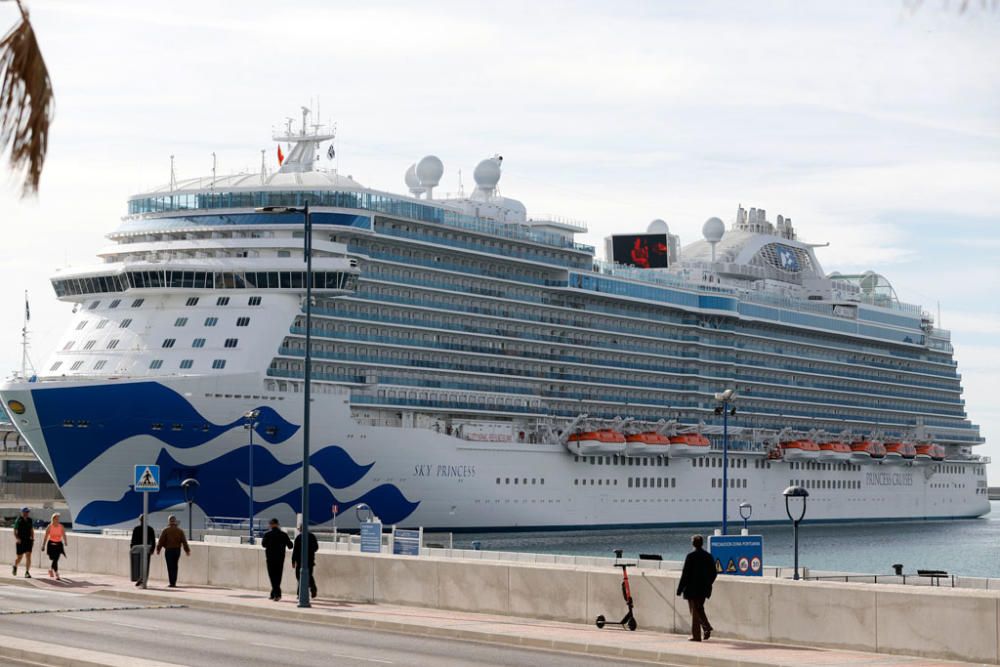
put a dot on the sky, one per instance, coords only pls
(874, 125)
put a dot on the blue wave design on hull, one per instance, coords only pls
(115, 412)
(221, 493)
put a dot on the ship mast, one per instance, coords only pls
(25, 357)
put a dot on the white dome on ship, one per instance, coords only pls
(713, 230)
(412, 182)
(658, 226)
(487, 174)
(429, 171)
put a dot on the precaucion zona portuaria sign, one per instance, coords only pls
(742, 555)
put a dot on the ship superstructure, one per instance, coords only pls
(476, 368)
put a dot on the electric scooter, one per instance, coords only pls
(628, 621)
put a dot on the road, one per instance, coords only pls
(200, 637)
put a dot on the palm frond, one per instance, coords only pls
(27, 104)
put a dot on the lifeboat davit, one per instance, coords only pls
(834, 451)
(604, 441)
(688, 446)
(867, 451)
(648, 443)
(924, 454)
(898, 453)
(800, 450)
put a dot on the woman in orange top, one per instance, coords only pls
(54, 543)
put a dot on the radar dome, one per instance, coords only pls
(412, 182)
(713, 229)
(487, 174)
(658, 226)
(429, 171)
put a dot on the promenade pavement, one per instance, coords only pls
(611, 642)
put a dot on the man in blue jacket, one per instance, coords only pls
(695, 585)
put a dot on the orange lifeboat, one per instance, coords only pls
(688, 445)
(924, 454)
(897, 453)
(647, 443)
(867, 451)
(834, 451)
(800, 450)
(937, 453)
(603, 441)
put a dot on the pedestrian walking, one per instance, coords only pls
(172, 540)
(24, 541)
(695, 585)
(275, 543)
(297, 559)
(150, 543)
(54, 543)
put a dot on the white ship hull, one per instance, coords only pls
(418, 477)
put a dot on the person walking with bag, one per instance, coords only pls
(150, 543)
(54, 544)
(695, 585)
(24, 538)
(275, 543)
(172, 540)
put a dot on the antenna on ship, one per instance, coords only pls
(173, 175)
(25, 357)
(214, 164)
(263, 166)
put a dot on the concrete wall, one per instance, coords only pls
(948, 623)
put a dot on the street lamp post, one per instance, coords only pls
(795, 492)
(307, 250)
(725, 400)
(190, 485)
(251, 424)
(746, 511)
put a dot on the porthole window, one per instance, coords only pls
(198, 342)
(180, 322)
(219, 363)
(242, 321)
(193, 301)
(156, 363)
(113, 343)
(231, 342)
(222, 301)
(187, 363)
(253, 301)
(169, 342)
(138, 303)
(124, 324)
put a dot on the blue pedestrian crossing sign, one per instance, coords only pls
(147, 478)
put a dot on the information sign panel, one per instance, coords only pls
(406, 542)
(371, 537)
(742, 555)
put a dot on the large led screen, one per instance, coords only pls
(645, 251)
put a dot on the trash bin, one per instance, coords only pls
(135, 562)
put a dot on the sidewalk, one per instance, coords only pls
(505, 630)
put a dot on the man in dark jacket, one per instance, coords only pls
(150, 543)
(275, 542)
(297, 559)
(695, 585)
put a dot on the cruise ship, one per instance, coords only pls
(476, 368)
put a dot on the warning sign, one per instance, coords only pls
(739, 555)
(147, 478)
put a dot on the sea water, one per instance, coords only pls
(969, 547)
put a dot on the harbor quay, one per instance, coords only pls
(854, 617)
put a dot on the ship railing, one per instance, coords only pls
(29, 491)
(919, 578)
